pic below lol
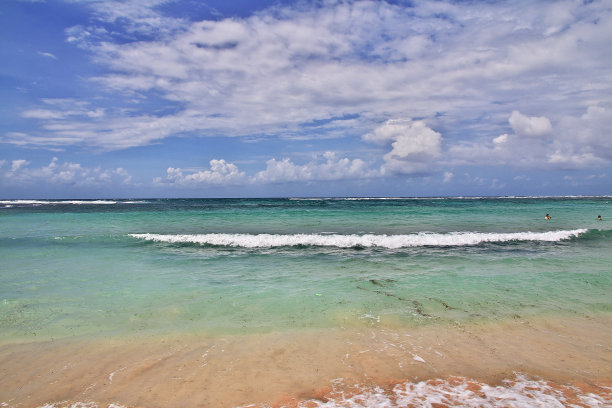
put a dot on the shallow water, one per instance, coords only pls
(72, 268)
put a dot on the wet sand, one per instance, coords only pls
(283, 368)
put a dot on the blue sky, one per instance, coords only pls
(189, 98)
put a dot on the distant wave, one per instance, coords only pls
(461, 198)
(68, 202)
(364, 241)
(47, 202)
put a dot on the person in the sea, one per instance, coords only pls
(599, 218)
(547, 216)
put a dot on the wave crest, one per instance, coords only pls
(354, 240)
(58, 202)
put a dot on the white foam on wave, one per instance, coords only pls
(56, 202)
(510, 197)
(353, 240)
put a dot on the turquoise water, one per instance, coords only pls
(119, 267)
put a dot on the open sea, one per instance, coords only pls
(111, 269)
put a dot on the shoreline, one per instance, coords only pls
(283, 368)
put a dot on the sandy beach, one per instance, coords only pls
(311, 367)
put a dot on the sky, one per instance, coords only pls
(262, 98)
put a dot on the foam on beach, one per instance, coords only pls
(519, 392)
(90, 404)
(354, 240)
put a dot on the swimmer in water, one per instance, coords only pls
(547, 217)
(599, 218)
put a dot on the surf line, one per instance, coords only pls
(421, 239)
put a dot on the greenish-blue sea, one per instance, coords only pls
(224, 266)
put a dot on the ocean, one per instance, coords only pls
(271, 273)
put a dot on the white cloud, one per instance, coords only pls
(65, 173)
(583, 141)
(47, 55)
(389, 131)
(577, 142)
(522, 178)
(282, 67)
(500, 140)
(332, 168)
(282, 171)
(485, 83)
(18, 164)
(414, 145)
(42, 114)
(220, 173)
(321, 168)
(62, 108)
(109, 175)
(418, 142)
(534, 126)
(573, 160)
(129, 19)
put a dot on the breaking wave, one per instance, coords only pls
(57, 202)
(36, 203)
(355, 240)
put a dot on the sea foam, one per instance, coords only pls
(58, 202)
(354, 240)
(519, 392)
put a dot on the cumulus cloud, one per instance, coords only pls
(65, 173)
(415, 148)
(417, 143)
(534, 126)
(575, 142)
(583, 141)
(331, 168)
(220, 173)
(414, 145)
(528, 145)
(18, 164)
(321, 168)
(501, 140)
